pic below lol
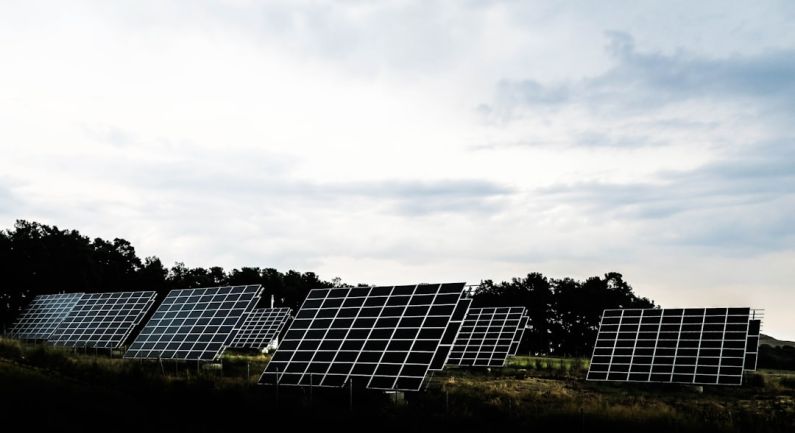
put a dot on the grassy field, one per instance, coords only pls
(49, 387)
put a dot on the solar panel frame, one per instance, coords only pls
(43, 315)
(451, 333)
(519, 335)
(703, 346)
(103, 320)
(488, 336)
(384, 337)
(752, 344)
(261, 328)
(195, 324)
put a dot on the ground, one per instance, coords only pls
(47, 387)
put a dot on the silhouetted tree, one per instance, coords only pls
(116, 265)
(565, 313)
(152, 275)
(579, 306)
(534, 292)
(36, 258)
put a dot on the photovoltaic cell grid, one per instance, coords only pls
(195, 324)
(380, 337)
(453, 330)
(487, 336)
(43, 315)
(752, 345)
(517, 340)
(262, 326)
(695, 345)
(103, 320)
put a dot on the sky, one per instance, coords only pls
(417, 141)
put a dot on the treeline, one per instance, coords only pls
(564, 313)
(37, 259)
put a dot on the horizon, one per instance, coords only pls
(389, 143)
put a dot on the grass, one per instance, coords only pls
(89, 392)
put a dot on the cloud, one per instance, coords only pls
(739, 203)
(339, 137)
(402, 197)
(8, 200)
(110, 134)
(648, 80)
(645, 97)
(419, 198)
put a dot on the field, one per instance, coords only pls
(55, 388)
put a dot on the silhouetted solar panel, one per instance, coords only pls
(43, 315)
(694, 345)
(262, 326)
(103, 320)
(517, 340)
(487, 336)
(379, 337)
(752, 344)
(451, 332)
(195, 324)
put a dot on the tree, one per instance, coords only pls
(579, 307)
(116, 264)
(564, 313)
(152, 275)
(37, 258)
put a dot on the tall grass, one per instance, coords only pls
(544, 394)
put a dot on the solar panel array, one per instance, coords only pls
(43, 315)
(380, 337)
(103, 320)
(694, 345)
(261, 328)
(487, 336)
(195, 324)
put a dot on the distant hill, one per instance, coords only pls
(776, 354)
(772, 342)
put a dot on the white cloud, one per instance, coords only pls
(389, 142)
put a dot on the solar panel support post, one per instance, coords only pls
(350, 395)
(277, 387)
(446, 401)
(311, 385)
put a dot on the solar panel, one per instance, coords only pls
(103, 320)
(703, 346)
(451, 333)
(487, 336)
(752, 344)
(261, 328)
(380, 337)
(195, 324)
(43, 315)
(517, 339)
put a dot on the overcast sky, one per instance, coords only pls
(417, 141)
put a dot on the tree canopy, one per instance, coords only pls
(564, 313)
(39, 259)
